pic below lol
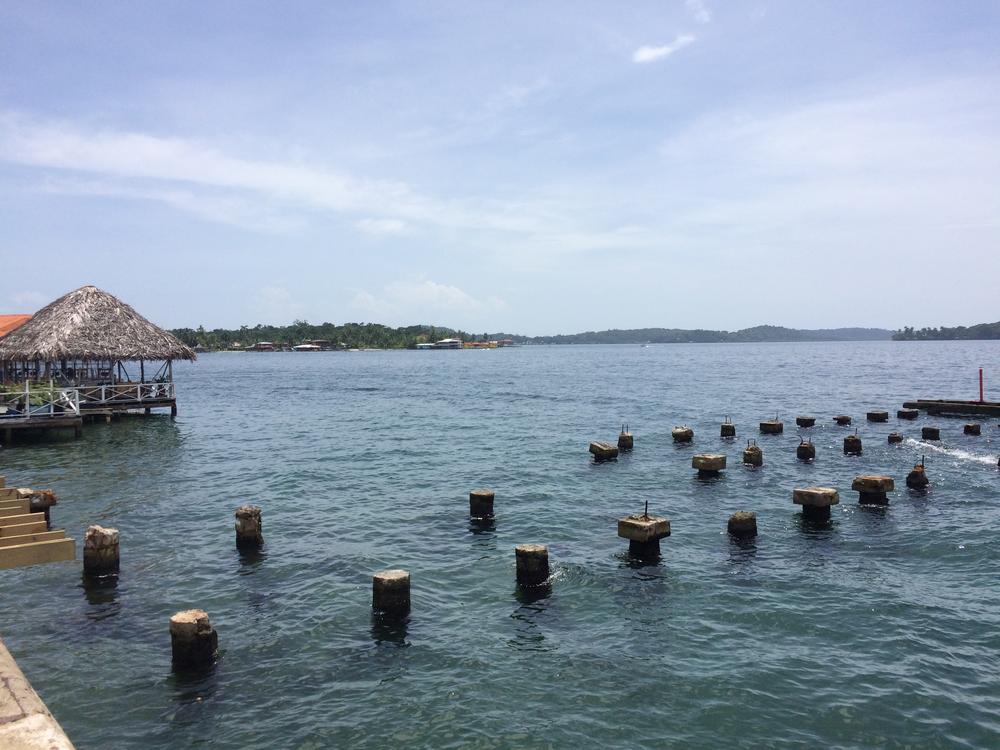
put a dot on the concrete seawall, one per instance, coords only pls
(25, 722)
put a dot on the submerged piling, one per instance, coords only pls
(683, 434)
(907, 414)
(917, 479)
(193, 640)
(805, 421)
(532, 564)
(248, 527)
(930, 433)
(878, 416)
(772, 427)
(752, 454)
(625, 441)
(727, 429)
(100, 551)
(742, 524)
(708, 464)
(644, 533)
(806, 451)
(603, 451)
(872, 489)
(852, 445)
(391, 592)
(816, 502)
(973, 428)
(481, 504)
(842, 419)
(895, 437)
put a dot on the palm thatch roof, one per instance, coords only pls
(90, 324)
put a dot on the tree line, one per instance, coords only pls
(958, 333)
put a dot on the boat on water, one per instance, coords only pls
(307, 348)
(442, 344)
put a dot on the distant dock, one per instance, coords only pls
(950, 407)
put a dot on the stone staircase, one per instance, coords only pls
(25, 538)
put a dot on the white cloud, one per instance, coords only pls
(379, 227)
(417, 299)
(648, 54)
(699, 10)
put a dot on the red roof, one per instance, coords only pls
(9, 322)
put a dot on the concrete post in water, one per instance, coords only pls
(708, 464)
(682, 434)
(100, 551)
(39, 501)
(805, 421)
(772, 427)
(917, 479)
(532, 564)
(907, 414)
(842, 419)
(895, 437)
(193, 640)
(753, 455)
(878, 416)
(930, 433)
(391, 592)
(872, 489)
(816, 502)
(603, 451)
(644, 533)
(852, 445)
(806, 451)
(481, 504)
(248, 527)
(742, 524)
(727, 429)
(625, 441)
(973, 428)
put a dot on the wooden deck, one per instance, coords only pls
(948, 407)
(44, 422)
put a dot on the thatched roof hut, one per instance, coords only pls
(90, 324)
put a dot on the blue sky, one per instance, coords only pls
(526, 167)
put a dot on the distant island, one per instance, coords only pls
(376, 336)
(983, 331)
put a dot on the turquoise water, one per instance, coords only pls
(882, 630)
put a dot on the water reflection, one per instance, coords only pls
(102, 596)
(534, 601)
(482, 526)
(817, 528)
(390, 630)
(251, 558)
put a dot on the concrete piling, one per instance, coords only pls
(752, 454)
(973, 428)
(644, 533)
(603, 451)
(806, 451)
(708, 464)
(481, 504)
(816, 502)
(872, 489)
(878, 416)
(742, 524)
(683, 434)
(193, 641)
(532, 564)
(772, 427)
(391, 592)
(895, 437)
(842, 419)
(100, 551)
(248, 527)
(917, 479)
(625, 441)
(930, 433)
(727, 429)
(805, 421)
(852, 445)
(907, 414)
(39, 501)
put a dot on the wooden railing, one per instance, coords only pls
(125, 393)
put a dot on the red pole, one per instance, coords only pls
(980, 385)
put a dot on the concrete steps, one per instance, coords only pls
(25, 538)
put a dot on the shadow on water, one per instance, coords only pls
(251, 558)
(102, 596)
(390, 630)
(484, 527)
(816, 528)
(534, 601)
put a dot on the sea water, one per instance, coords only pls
(880, 630)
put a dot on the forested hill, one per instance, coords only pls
(981, 331)
(682, 336)
(373, 335)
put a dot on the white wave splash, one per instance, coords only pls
(958, 453)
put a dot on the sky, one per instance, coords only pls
(525, 167)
